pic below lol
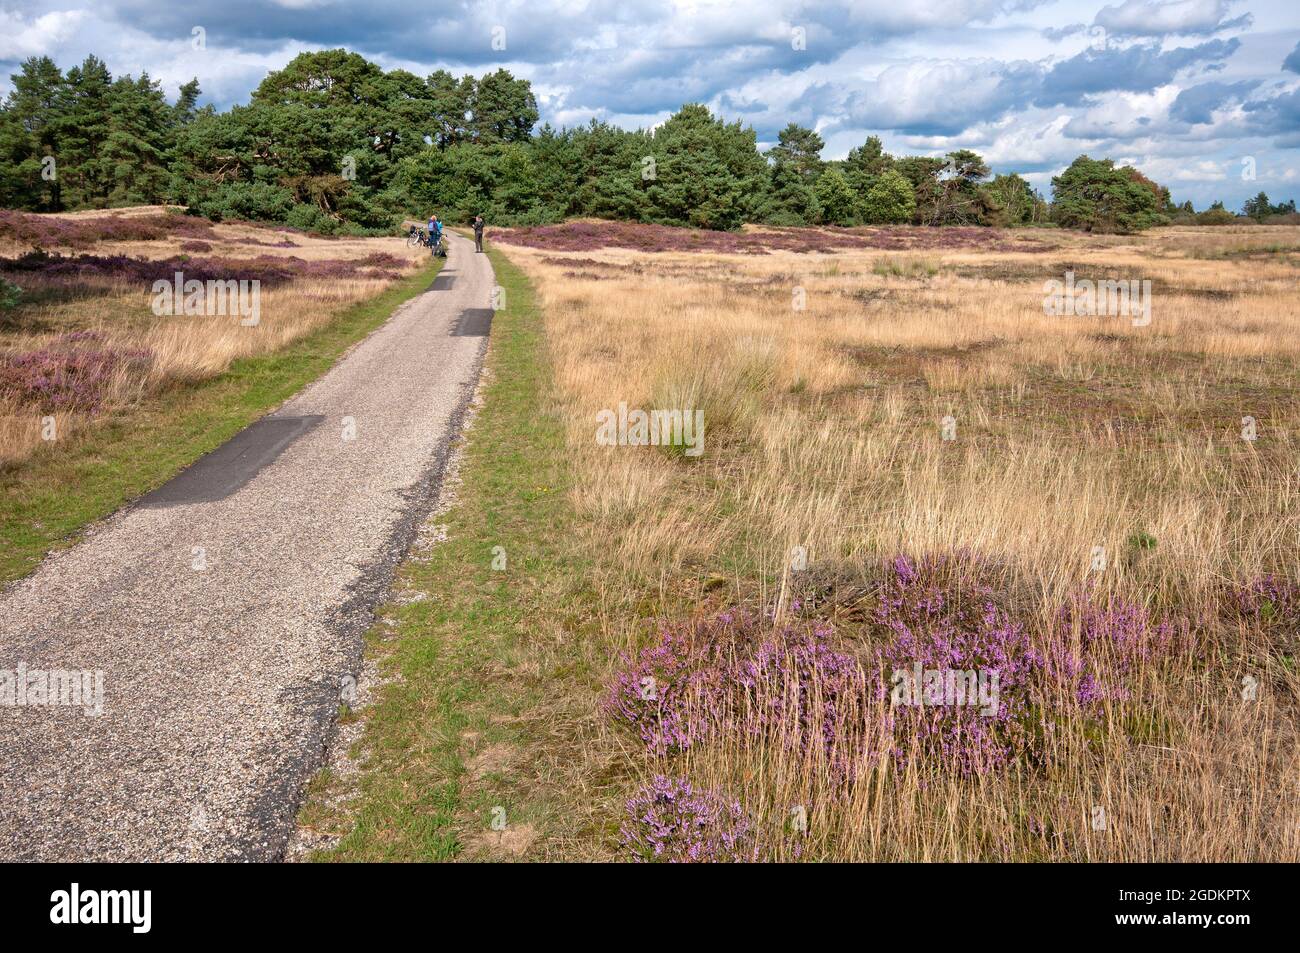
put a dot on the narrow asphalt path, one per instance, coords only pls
(225, 610)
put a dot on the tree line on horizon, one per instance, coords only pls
(332, 143)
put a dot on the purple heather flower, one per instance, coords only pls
(669, 821)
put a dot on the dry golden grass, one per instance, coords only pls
(182, 348)
(823, 430)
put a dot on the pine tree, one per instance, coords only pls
(502, 108)
(790, 200)
(449, 101)
(607, 170)
(139, 141)
(82, 124)
(1257, 208)
(28, 179)
(799, 148)
(1095, 196)
(865, 164)
(186, 107)
(707, 172)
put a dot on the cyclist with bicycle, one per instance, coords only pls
(435, 234)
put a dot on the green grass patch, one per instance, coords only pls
(48, 500)
(460, 691)
(905, 268)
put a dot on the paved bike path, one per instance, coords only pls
(226, 608)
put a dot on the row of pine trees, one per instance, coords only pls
(334, 143)
(82, 139)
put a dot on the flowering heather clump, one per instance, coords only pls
(62, 381)
(43, 231)
(151, 228)
(673, 693)
(945, 615)
(724, 672)
(924, 237)
(268, 269)
(79, 337)
(380, 259)
(669, 821)
(1267, 600)
(584, 236)
(40, 231)
(646, 694)
(941, 617)
(78, 269)
(801, 687)
(280, 243)
(1000, 689)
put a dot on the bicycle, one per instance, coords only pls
(418, 236)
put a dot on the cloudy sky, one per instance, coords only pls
(1195, 93)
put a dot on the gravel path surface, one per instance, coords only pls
(226, 610)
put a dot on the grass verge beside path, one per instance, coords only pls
(465, 690)
(47, 501)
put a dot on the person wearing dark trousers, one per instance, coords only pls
(478, 232)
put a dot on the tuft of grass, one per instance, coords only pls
(905, 268)
(1142, 540)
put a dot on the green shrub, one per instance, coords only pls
(310, 218)
(255, 201)
(836, 201)
(1216, 216)
(10, 295)
(890, 200)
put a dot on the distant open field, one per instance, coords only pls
(105, 395)
(906, 460)
(85, 342)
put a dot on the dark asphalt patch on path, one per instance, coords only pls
(226, 469)
(473, 323)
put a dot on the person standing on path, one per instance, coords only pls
(435, 235)
(478, 233)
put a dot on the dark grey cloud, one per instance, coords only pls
(632, 57)
(1138, 68)
(1278, 117)
(1151, 19)
(1292, 61)
(1060, 33)
(652, 80)
(548, 31)
(1196, 104)
(460, 33)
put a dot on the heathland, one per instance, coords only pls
(908, 458)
